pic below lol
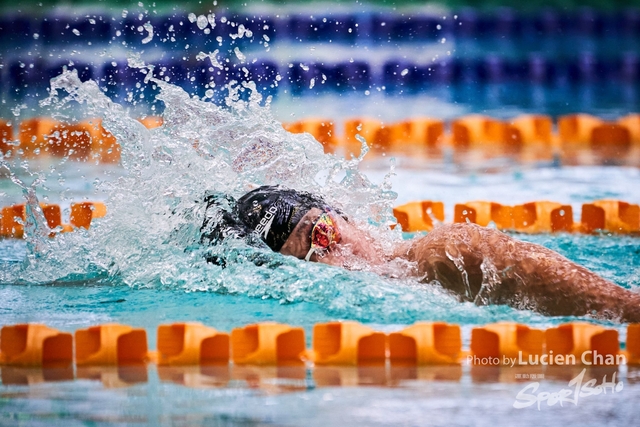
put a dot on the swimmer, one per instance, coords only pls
(475, 263)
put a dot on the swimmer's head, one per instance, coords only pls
(269, 212)
(272, 212)
(291, 222)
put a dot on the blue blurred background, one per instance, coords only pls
(446, 58)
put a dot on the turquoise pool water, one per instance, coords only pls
(319, 396)
(141, 265)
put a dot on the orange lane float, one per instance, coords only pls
(482, 213)
(576, 129)
(267, 344)
(469, 131)
(82, 213)
(69, 140)
(34, 135)
(191, 344)
(610, 215)
(633, 344)
(482, 132)
(543, 217)
(417, 136)
(53, 215)
(419, 216)
(6, 137)
(505, 341)
(347, 343)
(151, 122)
(534, 217)
(574, 137)
(534, 129)
(12, 217)
(83, 141)
(323, 130)
(610, 141)
(10, 222)
(340, 345)
(104, 146)
(426, 344)
(35, 345)
(111, 344)
(584, 343)
(580, 138)
(532, 137)
(367, 128)
(632, 122)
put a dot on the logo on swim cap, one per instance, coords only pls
(265, 223)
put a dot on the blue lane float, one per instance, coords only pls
(345, 28)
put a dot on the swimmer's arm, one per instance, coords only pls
(521, 274)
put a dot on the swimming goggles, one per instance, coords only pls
(324, 233)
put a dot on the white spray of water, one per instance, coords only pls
(149, 28)
(151, 232)
(150, 236)
(213, 57)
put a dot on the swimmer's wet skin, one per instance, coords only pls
(475, 263)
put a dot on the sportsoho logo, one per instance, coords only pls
(577, 389)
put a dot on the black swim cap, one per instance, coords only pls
(273, 212)
(268, 212)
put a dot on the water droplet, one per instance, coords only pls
(202, 22)
(149, 28)
(239, 54)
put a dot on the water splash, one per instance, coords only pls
(454, 254)
(36, 229)
(149, 237)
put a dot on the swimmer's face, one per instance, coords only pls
(354, 245)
